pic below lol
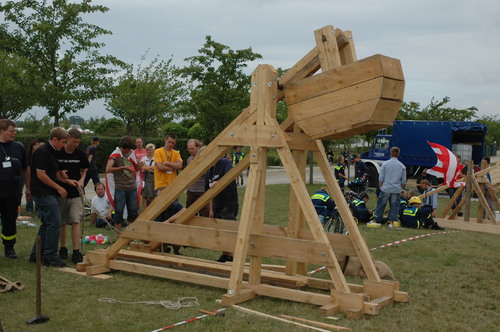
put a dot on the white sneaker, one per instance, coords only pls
(391, 225)
(373, 224)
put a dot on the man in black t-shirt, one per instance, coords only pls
(92, 172)
(13, 168)
(45, 188)
(74, 164)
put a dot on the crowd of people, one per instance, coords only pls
(405, 209)
(54, 175)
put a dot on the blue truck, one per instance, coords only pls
(411, 137)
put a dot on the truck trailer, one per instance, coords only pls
(411, 137)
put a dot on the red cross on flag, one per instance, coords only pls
(447, 166)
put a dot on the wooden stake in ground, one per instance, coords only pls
(315, 323)
(257, 313)
(39, 318)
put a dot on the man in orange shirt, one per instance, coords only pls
(167, 162)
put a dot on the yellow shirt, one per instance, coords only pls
(163, 179)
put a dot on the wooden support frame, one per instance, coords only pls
(251, 240)
(475, 184)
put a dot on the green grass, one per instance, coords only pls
(453, 281)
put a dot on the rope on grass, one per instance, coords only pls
(171, 305)
(391, 244)
(409, 239)
(189, 320)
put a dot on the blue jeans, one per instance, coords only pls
(49, 230)
(128, 198)
(94, 175)
(393, 205)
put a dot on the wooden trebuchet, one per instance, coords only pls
(359, 96)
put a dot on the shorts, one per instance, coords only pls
(71, 210)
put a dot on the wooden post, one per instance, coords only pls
(468, 188)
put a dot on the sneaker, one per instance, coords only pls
(460, 214)
(437, 227)
(10, 252)
(63, 253)
(77, 257)
(225, 258)
(391, 225)
(55, 262)
(373, 224)
(396, 224)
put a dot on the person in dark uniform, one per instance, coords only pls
(13, 171)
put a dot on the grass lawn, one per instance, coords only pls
(453, 281)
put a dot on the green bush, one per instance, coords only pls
(172, 127)
(110, 127)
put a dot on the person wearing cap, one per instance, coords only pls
(416, 217)
(92, 172)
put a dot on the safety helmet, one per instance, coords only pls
(415, 199)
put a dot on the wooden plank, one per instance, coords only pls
(257, 227)
(402, 297)
(97, 269)
(341, 243)
(300, 141)
(323, 128)
(382, 288)
(290, 294)
(74, 271)
(263, 97)
(318, 324)
(252, 135)
(310, 215)
(334, 101)
(452, 201)
(156, 271)
(260, 314)
(483, 201)
(204, 266)
(329, 309)
(214, 191)
(469, 226)
(328, 51)
(296, 220)
(348, 301)
(376, 66)
(346, 46)
(355, 236)
(305, 67)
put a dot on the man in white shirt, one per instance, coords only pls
(101, 205)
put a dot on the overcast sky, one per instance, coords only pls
(446, 47)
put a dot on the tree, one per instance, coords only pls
(110, 127)
(147, 97)
(18, 88)
(493, 132)
(176, 128)
(220, 87)
(53, 37)
(435, 111)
